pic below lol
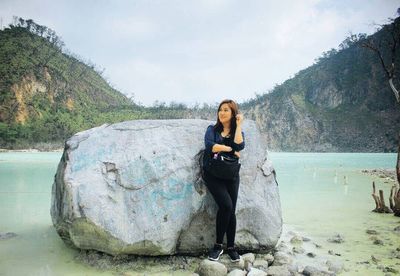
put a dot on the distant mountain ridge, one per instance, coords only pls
(341, 103)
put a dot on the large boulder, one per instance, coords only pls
(135, 187)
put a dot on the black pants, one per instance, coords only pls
(225, 194)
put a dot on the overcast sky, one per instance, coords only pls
(200, 51)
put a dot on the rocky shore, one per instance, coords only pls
(294, 255)
(38, 147)
(388, 175)
(31, 150)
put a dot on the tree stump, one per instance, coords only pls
(379, 201)
(394, 200)
(376, 198)
(395, 189)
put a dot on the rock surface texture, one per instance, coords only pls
(135, 187)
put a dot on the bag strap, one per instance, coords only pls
(215, 140)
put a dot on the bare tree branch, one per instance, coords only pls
(391, 44)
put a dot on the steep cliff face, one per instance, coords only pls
(290, 129)
(341, 103)
(322, 122)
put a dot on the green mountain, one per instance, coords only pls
(47, 95)
(341, 103)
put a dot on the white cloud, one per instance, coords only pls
(132, 28)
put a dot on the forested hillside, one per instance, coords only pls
(341, 103)
(47, 94)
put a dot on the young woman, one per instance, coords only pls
(225, 136)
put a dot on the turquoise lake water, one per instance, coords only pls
(322, 194)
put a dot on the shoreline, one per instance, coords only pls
(295, 253)
(388, 174)
(32, 150)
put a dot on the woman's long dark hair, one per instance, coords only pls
(235, 110)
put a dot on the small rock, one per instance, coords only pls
(293, 268)
(256, 272)
(298, 250)
(7, 235)
(259, 256)
(336, 239)
(305, 239)
(282, 246)
(371, 232)
(317, 245)
(397, 229)
(280, 270)
(312, 271)
(330, 252)
(364, 262)
(390, 269)
(375, 259)
(261, 264)
(296, 240)
(237, 272)
(226, 261)
(210, 268)
(311, 254)
(282, 258)
(336, 267)
(378, 242)
(249, 257)
(247, 265)
(395, 254)
(269, 258)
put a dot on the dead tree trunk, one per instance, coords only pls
(395, 91)
(385, 209)
(392, 45)
(395, 193)
(376, 198)
(398, 164)
(379, 201)
(394, 198)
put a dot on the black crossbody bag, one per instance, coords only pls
(223, 165)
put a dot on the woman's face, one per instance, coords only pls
(224, 113)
